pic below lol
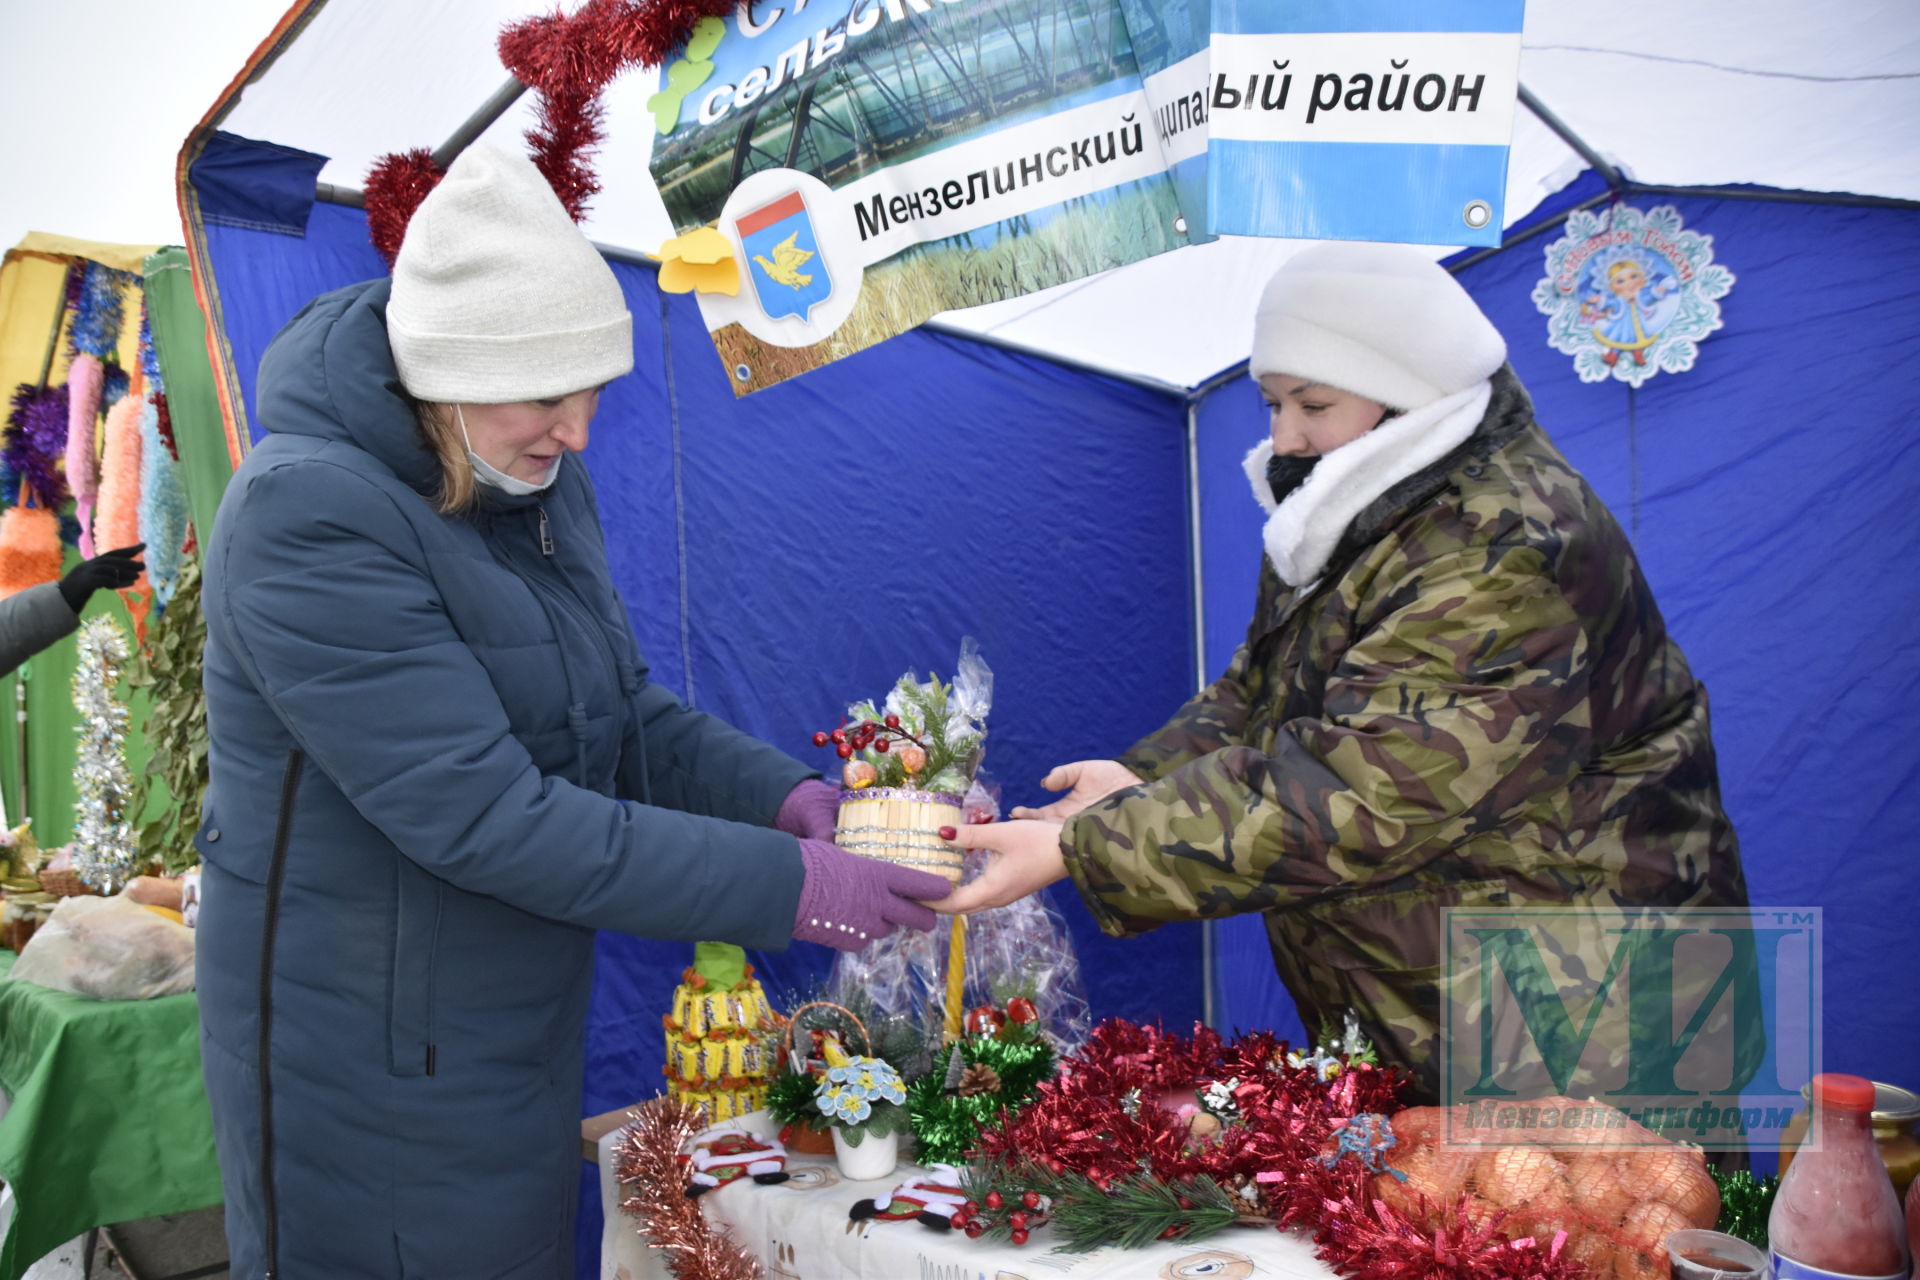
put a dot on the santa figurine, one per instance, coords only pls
(931, 1197)
(727, 1155)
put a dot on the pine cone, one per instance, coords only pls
(977, 1079)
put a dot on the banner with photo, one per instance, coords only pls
(1362, 119)
(875, 162)
(1170, 44)
(840, 171)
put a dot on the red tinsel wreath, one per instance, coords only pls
(1103, 1117)
(567, 60)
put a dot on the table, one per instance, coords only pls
(800, 1231)
(109, 1121)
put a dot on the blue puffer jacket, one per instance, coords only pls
(437, 766)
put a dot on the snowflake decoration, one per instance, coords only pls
(1629, 293)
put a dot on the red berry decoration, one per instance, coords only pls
(820, 739)
(1031, 1199)
(845, 751)
(970, 1208)
(994, 1200)
(1054, 1166)
(975, 1230)
(1019, 1235)
(893, 722)
(1017, 1220)
(880, 746)
(838, 735)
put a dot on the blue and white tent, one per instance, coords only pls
(1058, 474)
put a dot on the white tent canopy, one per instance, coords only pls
(1819, 98)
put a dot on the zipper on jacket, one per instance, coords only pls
(566, 594)
(276, 877)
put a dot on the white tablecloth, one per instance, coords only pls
(800, 1231)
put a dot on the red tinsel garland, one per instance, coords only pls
(1102, 1116)
(395, 187)
(567, 60)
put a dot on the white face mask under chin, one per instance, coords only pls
(494, 478)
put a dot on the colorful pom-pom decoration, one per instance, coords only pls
(116, 519)
(163, 506)
(30, 550)
(85, 378)
(36, 438)
(99, 312)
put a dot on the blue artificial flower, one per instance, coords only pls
(849, 1092)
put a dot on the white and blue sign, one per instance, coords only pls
(1169, 40)
(1362, 119)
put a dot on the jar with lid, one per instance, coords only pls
(1896, 1131)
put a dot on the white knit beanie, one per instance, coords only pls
(1379, 320)
(497, 296)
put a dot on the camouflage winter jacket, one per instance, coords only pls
(1476, 704)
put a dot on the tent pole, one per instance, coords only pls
(328, 193)
(1197, 606)
(1520, 237)
(353, 198)
(1776, 197)
(1572, 139)
(1196, 565)
(479, 122)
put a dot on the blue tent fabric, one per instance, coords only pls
(789, 552)
(1768, 492)
(262, 186)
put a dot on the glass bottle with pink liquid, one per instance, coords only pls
(1836, 1216)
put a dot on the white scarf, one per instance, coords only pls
(1302, 531)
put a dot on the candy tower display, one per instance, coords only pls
(714, 1056)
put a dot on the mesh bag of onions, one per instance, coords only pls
(1616, 1188)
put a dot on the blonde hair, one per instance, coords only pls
(456, 491)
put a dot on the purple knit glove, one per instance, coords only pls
(848, 901)
(810, 811)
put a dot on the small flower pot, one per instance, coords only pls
(873, 1159)
(802, 1141)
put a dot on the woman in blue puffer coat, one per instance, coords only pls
(438, 766)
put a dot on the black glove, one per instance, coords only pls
(114, 569)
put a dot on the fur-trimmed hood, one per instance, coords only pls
(1359, 491)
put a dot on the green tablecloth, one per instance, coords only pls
(109, 1121)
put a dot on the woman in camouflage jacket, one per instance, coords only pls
(1456, 690)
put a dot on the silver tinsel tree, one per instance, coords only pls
(103, 840)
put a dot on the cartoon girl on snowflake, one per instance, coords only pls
(1630, 320)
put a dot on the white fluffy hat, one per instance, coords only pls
(1380, 320)
(497, 296)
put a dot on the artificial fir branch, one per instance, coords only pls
(1131, 1213)
(1142, 1209)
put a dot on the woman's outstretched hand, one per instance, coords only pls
(810, 810)
(847, 901)
(1091, 781)
(1026, 859)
